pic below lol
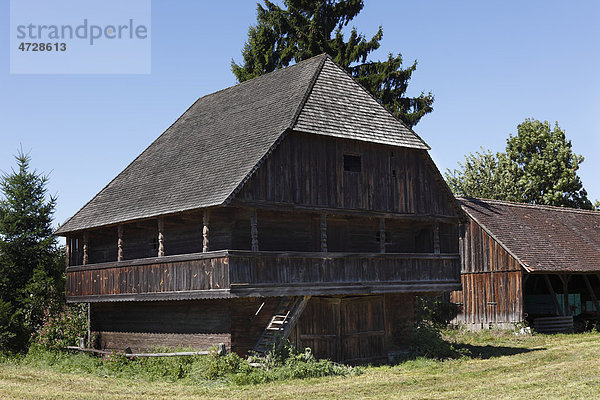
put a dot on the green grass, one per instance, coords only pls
(496, 365)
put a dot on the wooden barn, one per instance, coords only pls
(522, 262)
(291, 205)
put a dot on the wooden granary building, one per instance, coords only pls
(523, 262)
(292, 205)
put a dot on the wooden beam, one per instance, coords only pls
(120, 243)
(324, 233)
(592, 294)
(205, 231)
(559, 309)
(565, 282)
(161, 237)
(436, 239)
(68, 252)
(85, 248)
(254, 230)
(382, 235)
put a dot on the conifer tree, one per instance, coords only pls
(306, 28)
(31, 272)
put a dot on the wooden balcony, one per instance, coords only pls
(237, 273)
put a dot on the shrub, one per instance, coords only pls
(426, 341)
(63, 329)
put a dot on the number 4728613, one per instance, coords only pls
(42, 46)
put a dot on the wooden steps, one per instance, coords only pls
(281, 324)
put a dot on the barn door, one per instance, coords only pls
(319, 327)
(363, 328)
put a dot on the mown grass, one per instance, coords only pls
(494, 365)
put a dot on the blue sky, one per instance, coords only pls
(489, 65)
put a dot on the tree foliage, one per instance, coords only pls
(31, 272)
(538, 167)
(306, 28)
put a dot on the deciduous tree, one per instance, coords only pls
(538, 167)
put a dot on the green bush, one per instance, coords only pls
(194, 370)
(426, 341)
(63, 329)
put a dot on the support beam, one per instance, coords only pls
(254, 230)
(592, 294)
(120, 243)
(205, 231)
(85, 247)
(565, 282)
(68, 252)
(161, 236)
(382, 235)
(559, 309)
(324, 233)
(436, 239)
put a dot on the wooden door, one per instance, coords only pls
(363, 328)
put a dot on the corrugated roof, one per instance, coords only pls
(543, 238)
(211, 150)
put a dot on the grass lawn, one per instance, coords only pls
(500, 365)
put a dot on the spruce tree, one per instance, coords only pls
(306, 28)
(31, 272)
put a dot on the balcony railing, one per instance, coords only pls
(237, 273)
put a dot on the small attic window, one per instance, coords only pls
(352, 163)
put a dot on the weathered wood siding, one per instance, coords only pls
(355, 328)
(252, 274)
(271, 274)
(175, 274)
(145, 326)
(309, 170)
(491, 280)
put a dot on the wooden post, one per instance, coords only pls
(161, 237)
(205, 231)
(592, 294)
(120, 243)
(565, 282)
(559, 309)
(85, 247)
(382, 235)
(324, 233)
(68, 251)
(436, 239)
(254, 230)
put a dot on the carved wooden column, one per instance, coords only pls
(161, 238)
(67, 251)
(436, 239)
(85, 248)
(382, 235)
(205, 231)
(254, 230)
(324, 233)
(120, 243)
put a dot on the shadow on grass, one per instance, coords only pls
(488, 351)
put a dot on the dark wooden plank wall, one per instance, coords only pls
(145, 326)
(249, 318)
(308, 170)
(491, 279)
(158, 277)
(355, 328)
(289, 231)
(290, 269)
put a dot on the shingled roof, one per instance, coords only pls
(213, 148)
(541, 238)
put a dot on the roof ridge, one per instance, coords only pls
(273, 146)
(534, 206)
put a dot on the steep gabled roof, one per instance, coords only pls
(542, 238)
(212, 149)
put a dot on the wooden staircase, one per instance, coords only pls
(283, 321)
